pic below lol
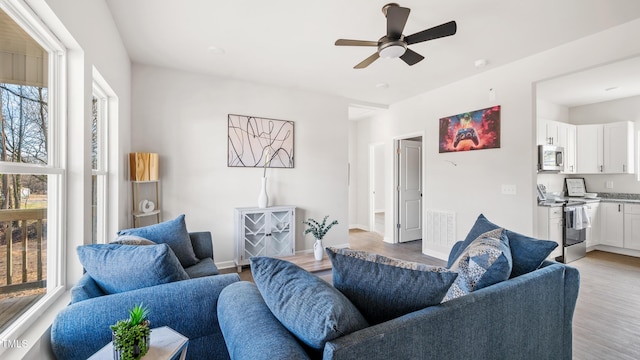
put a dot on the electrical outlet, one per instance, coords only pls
(608, 184)
(508, 189)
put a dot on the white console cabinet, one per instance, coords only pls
(264, 232)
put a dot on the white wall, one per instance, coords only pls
(474, 185)
(550, 111)
(183, 117)
(626, 109)
(370, 131)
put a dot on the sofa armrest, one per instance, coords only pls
(85, 288)
(202, 244)
(187, 306)
(250, 330)
(521, 318)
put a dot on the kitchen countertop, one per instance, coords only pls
(605, 197)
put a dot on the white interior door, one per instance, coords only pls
(410, 190)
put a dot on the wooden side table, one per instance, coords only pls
(165, 344)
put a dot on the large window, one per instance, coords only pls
(31, 174)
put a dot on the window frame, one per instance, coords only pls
(101, 171)
(56, 165)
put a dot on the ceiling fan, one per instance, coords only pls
(394, 44)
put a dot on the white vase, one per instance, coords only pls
(263, 199)
(318, 250)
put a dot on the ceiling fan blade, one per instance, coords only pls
(366, 62)
(411, 57)
(446, 29)
(346, 42)
(396, 20)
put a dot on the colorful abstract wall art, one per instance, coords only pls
(259, 142)
(474, 130)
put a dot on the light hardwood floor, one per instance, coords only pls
(606, 322)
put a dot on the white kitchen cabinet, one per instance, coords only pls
(567, 139)
(612, 224)
(590, 149)
(632, 226)
(605, 148)
(548, 132)
(264, 232)
(618, 148)
(593, 232)
(550, 227)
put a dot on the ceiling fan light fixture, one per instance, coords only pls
(393, 49)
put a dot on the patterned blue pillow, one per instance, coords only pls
(383, 288)
(118, 268)
(528, 253)
(314, 311)
(173, 233)
(486, 261)
(481, 226)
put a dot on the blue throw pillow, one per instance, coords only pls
(314, 311)
(173, 233)
(486, 261)
(118, 268)
(383, 288)
(528, 253)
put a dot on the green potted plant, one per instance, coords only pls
(131, 336)
(319, 230)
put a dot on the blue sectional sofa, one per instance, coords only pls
(497, 298)
(187, 306)
(526, 317)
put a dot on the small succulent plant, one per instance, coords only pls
(131, 336)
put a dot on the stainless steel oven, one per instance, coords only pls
(576, 221)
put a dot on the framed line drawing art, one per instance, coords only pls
(259, 142)
(473, 130)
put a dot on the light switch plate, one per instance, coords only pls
(508, 189)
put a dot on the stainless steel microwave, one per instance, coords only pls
(550, 158)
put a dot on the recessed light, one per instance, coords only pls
(382, 86)
(215, 50)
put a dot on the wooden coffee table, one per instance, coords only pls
(308, 262)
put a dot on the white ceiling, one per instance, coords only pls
(290, 43)
(603, 83)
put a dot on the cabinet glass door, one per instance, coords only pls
(280, 239)
(255, 234)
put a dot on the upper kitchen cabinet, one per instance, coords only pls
(590, 149)
(548, 132)
(567, 135)
(605, 148)
(618, 148)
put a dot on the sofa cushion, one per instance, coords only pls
(313, 310)
(206, 267)
(173, 233)
(527, 253)
(486, 261)
(118, 268)
(383, 288)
